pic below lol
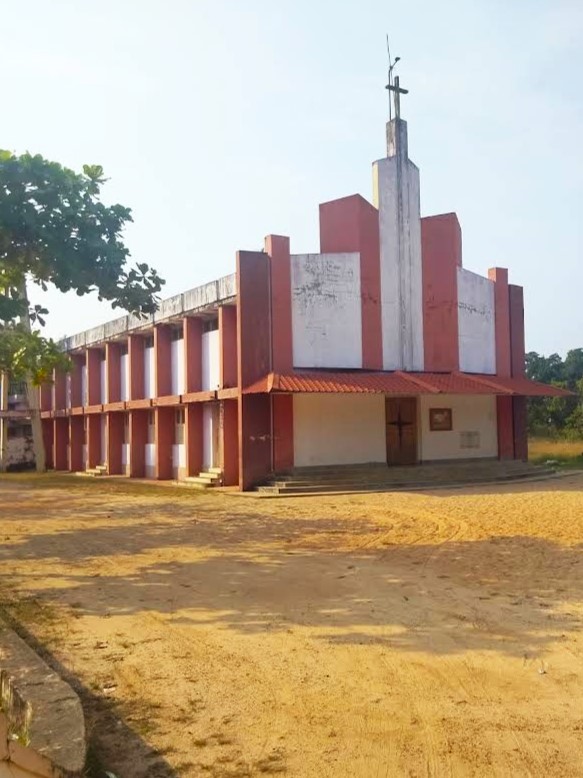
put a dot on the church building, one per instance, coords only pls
(380, 347)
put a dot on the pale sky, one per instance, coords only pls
(220, 121)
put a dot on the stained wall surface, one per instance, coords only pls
(476, 323)
(326, 310)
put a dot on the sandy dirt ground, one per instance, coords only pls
(430, 634)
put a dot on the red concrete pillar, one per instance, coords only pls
(253, 362)
(138, 440)
(46, 397)
(277, 249)
(76, 435)
(352, 224)
(228, 346)
(163, 357)
(94, 454)
(519, 417)
(441, 246)
(193, 438)
(114, 442)
(59, 391)
(136, 358)
(48, 435)
(505, 427)
(61, 438)
(230, 446)
(193, 353)
(502, 319)
(113, 372)
(93, 376)
(164, 439)
(517, 347)
(76, 380)
(283, 431)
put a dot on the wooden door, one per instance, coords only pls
(401, 425)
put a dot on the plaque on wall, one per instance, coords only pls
(440, 420)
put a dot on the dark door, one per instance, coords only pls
(401, 420)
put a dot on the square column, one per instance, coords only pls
(193, 438)
(193, 353)
(136, 358)
(48, 440)
(93, 377)
(164, 436)
(59, 390)
(114, 442)
(227, 346)
(230, 443)
(76, 435)
(77, 381)
(138, 440)
(113, 372)
(94, 453)
(61, 438)
(163, 357)
(502, 320)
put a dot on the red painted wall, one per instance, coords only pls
(441, 247)
(94, 453)
(136, 359)
(93, 377)
(60, 454)
(76, 443)
(46, 397)
(48, 436)
(114, 442)
(520, 429)
(164, 438)
(502, 318)
(113, 372)
(283, 431)
(76, 381)
(228, 346)
(59, 391)
(505, 427)
(230, 448)
(193, 438)
(254, 361)
(138, 440)
(193, 353)
(517, 347)
(277, 249)
(352, 224)
(163, 358)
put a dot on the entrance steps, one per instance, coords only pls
(376, 477)
(94, 472)
(205, 479)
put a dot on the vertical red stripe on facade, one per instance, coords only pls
(502, 318)
(76, 442)
(517, 347)
(93, 378)
(277, 249)
(61, 437)
(115, 423)
(138, 439)
(441, 247)
(113, 357)
(193, 353)
(352, 224)
(163, 360)
(136, 359)
(505, 427)
(254, 361)
(228, 346)
(229, 449)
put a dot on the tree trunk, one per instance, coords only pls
(3, 422)
(32, 396)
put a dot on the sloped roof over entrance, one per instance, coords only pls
(400, 383)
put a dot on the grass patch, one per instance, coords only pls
(567, 453)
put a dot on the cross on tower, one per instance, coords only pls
(397, 92)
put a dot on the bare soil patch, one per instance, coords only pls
(427, 634)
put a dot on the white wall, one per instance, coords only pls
(125, 376)
(125, 454)
(326, 310)
(177, 366)
(178, 455)
(210, 361)
(149, 372)
(68, 390)
(401, 266)
(339, 429)
(103, 381)
(150, 455)
(470, 413)
(477, 334)
(209, 434)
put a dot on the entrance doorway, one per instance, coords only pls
(401, 426)
(211, 437)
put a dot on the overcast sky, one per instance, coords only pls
(220, 121)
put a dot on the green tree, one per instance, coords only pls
(54, 230)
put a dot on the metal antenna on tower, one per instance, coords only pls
(390, 85)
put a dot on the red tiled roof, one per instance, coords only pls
(397, 382)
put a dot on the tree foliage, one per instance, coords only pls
(54, 229)
(557, 415)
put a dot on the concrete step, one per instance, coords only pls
(211, 477)
(197, 483)
(94, 472)
(102, 468)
